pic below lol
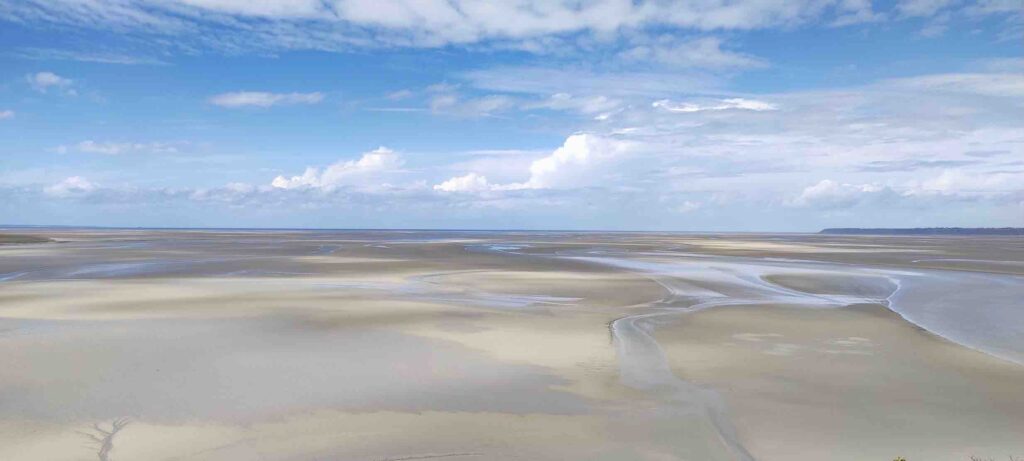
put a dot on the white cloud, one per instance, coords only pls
(987, 84)
(871, 141)
(532, 25)
(725, 104)
(851, 12)
(950, 185)
(445, 99)
(400, 95)
(1002, 64)
(70, 187)
(576, 163)
(596, 104)
(964, 183)
(6, 114)
(119, 148)
(536, 26)
(687, 207)
(577, 81)
(263, 99)
(940, 15)
(486, 105)
(470, 182)
(230, 193)
(44, 81)
(280, 9)
(580, 162)
(943, 144)
(47, 54)
(361, 172)
(984, 7)
(831, 194)
(922, 7)
(704, 52)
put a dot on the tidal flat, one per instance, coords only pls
(388, 345)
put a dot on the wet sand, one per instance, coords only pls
(848, 384)
(302, 345)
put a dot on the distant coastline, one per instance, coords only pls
(926, 231)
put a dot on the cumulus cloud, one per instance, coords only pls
(581, 161)
(470, 182)
(45, 81)
(360, 172)
(832, 194)
(263, 99)
(934, 142)
(576, 163)
(6, 114)
(70, 187)
(950, 185)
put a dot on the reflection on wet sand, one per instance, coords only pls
(398, 344)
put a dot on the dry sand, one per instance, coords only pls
(289, 345)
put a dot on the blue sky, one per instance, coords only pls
(603, 114)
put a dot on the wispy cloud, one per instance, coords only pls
(120, 148)
(400, 95)
(724, 104)
(534, 26)
(312, 24)
(700, 53)
(45, 81)
(54, 54)
(264, 99)
(70, 187)
(6, 114)
(569, 80)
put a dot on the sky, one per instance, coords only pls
(690, 115)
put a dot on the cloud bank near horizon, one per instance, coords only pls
(608, 113)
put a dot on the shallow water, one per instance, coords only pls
(331, 320)
(981, 311)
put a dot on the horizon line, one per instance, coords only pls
(439, 229)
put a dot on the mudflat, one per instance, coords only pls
(369, 345)
(9, 238)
